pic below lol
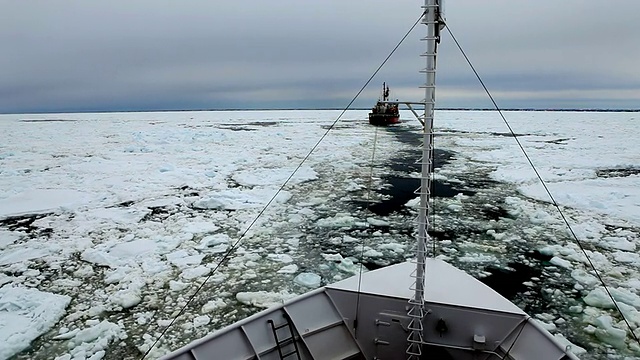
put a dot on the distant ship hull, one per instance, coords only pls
(383, 119)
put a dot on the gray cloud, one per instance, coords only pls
(122, 55)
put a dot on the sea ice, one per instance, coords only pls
(340, 220)
(332, 257)
(8, 238)
(477, 258)
(372, 253)
(395, 247)
(19, 255)
(214, 240)
(95, 339)
(183, 259)
(268, 176)
(577, 350)
(377, 222)
(561, 262)
(38, 201)
(212, 305)
(177, 285)
(288, 269)
(25, 314)
(619, 243)
(201, 320)
(608, 333)
(196, 272)
(308, 279)
(139, 176)
(263, 299)
(347, 265)
(126, 298)
(284, 258)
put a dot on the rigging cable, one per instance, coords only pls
(553, 200)
(355, 320)
(373, 156)
(244, 233)
(433, 192)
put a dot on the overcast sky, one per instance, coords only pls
(161, 54)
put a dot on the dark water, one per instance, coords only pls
(399, 187)
(509, 280)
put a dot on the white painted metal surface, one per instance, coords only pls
(323, 323)
(445, 284)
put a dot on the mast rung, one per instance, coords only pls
(426, 71)
(415, 342)
(415, 301)
(413, 273)
(412, 353)
(427, 86)
(427, 6)
(427, 54)
(416, 311)
(426, 192)
(416, 325)
(413, 323)
(418, 262)
(426, 38)
(418, 191)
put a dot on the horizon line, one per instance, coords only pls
(323, 108)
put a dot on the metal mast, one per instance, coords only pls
(430, 18)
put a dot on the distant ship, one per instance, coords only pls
(385, 112)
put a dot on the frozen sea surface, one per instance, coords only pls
(108, 222)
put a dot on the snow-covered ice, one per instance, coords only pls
(113, 220)
(26, 314)
(309, 280)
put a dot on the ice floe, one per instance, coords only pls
(26, 314)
